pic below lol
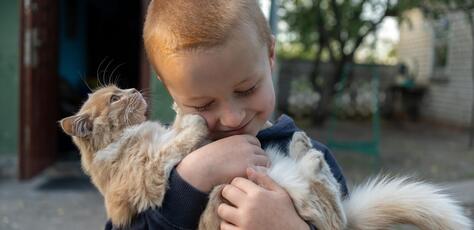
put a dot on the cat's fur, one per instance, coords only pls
(130, 159)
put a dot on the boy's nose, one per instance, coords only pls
(232, 118)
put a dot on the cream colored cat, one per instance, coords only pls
(129, 160)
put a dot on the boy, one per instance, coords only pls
(215, 58)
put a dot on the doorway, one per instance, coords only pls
(82, 45)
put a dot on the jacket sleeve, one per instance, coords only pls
(335, 169)
(181, 209)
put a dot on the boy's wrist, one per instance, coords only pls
(195, 175)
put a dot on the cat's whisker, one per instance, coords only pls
(98, 69)
(112, 74)
(104, 73)
(85, 82)
(115, 69)
(145, 91)
(117, 79)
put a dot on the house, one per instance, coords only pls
(439, 53)
(49, 50)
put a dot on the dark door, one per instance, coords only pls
(38, 85)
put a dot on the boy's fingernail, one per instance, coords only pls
(250, 170)
(261, 169)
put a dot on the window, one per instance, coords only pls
(440, 52)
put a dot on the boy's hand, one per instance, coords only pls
(260, 205)
(221, 161)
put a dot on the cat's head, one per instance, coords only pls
(105, 114)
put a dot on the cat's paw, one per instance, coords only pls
(193, 120)
(312, 163)
(300, 144)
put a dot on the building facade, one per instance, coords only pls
(439, 53)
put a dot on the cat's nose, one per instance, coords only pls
(133, 91)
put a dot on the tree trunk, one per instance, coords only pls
(471, 22)
(327, 90)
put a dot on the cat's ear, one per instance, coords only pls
(77, 125)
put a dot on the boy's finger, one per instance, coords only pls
(233, 194)
(227, 213)
(245, 185)
(261, 161)
(259, 151)
(228, 226)
(262, 179)
(253, 140)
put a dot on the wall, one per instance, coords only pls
(449, 99)
(416, 45)
(9, 76)
(161, 102)
(291, 69)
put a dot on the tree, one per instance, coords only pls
(334, 29)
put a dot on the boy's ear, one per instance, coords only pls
(77, 125)
(176, 109)
(271, 53)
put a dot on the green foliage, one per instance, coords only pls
(336, 28)
(295, 50)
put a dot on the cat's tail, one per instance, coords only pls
(384, 201)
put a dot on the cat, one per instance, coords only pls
(130, 159)
(127, 157)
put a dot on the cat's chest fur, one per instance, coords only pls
(145, 138)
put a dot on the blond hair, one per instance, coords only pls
(176, 25)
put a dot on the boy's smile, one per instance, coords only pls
(229, 85)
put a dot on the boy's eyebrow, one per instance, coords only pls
(249, 78)
(245, 80)
(195, 98)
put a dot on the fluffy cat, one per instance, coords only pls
(129, 160)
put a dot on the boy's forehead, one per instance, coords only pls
(216, 64)
(243, 38)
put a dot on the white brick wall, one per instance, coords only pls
(448, 101)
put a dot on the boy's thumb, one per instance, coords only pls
(262, 179)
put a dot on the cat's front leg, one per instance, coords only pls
(209, 219)
(191, 133)
(327, 210)
(322, 205)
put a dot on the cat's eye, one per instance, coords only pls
(114, 98)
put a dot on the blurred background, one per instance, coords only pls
(386, 84)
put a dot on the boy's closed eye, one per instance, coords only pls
(247, 91)
(243, 93)
(203, 107)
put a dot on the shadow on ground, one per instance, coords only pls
(60, 198)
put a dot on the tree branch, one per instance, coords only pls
(372, 28)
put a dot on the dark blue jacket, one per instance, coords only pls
(183, 204)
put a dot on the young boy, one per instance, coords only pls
(215, 58)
